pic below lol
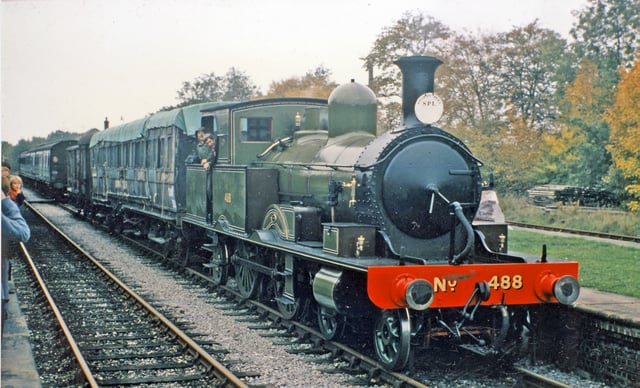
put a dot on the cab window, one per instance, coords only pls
(255, 129)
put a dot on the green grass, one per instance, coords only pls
(603, 266)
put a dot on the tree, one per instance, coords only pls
(315, 83)
(516, 155)
(238, 86)
(606, 38)
(582, 116)
(527, 61)
(234, 86)
(624, 142)
(608, 32)
(467, 83)
(413, 34)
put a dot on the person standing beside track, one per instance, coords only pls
(14, 229)
(15, 189)
(6, 169)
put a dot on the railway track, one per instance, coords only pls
(300, 338)
(296, 337)
(304, 339)
(609, 236)
(115, 337)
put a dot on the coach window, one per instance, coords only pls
(255, 129)
(125, 155)
(159, 156)
(162, 157)
(139, 153)
(110, 152)
(115, 157)
(149, 160)
(152, 153)
(166, 151)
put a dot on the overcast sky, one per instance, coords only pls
(68, 64)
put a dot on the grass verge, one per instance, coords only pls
(603, 266)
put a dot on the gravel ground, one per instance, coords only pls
(250, 351)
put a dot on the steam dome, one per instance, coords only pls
(353, 107)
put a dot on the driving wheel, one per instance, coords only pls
(392, 338)
(329, 323)
(248, 279)
(219, 264)
(287, 306)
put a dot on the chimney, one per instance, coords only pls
(418, 75)
(106, 123)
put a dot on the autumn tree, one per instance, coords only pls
(502, 96)
(605, 38)
(315, 83)
(583, 121)
(413, 34)
(624, 141)
(497, 87)
(518, 165)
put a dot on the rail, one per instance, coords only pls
(215, 367)
(577, 232)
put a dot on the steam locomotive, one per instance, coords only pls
(306, 207)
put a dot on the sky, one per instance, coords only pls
(68, 64)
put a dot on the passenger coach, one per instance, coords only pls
(45, 167)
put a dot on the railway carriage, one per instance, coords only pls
(79, 172)
(139, 175)
(45, 167)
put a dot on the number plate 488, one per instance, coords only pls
(506, 282)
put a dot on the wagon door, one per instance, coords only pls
(161, 159)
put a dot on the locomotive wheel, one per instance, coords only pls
(287, 307)
(179, 252)
(289, 310)
(330, 326)
(248, 279)
(392, 338)
(220, 264)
